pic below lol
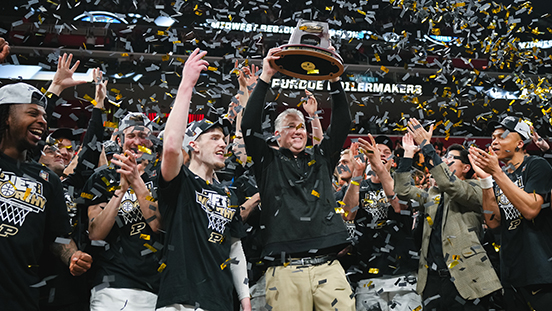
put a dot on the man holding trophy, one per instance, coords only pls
(302, 234)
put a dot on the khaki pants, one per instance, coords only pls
(322, 287)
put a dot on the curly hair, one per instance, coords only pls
(4, 114)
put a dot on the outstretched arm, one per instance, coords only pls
(178, 119)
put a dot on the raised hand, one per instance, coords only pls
(359, 160)
(4, 49)
(63, 78)
(539, 141)
(419, 134)
(101, 88)
(268, 71)
(193, 67)
(484, 163)
(247, 77)
(409, 146)
(311, 105)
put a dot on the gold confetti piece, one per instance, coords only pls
(106, 182)
(429, 220)
(27, 193)
(211, 68)
(453, 264)
(110, 124)
(455, 257)
(373, 270)
(496, 247)
(418, 308)
(150, 198)
(124, 54)
(339, 210)
(151, 248)
(313, 72)
(341, 203)
(286, 264)
(145, 237)
(165, 58)
(113, 188)
(311, 162)
(87, 195)
(368, 284)
(316, 194)
(384, 69)
(162, 267)
(353, 182)
(144, 149)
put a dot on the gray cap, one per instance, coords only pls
(197, 128)
(127, 122)
(514, 124)
(21, 93)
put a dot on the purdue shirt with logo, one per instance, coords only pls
(32, 215)
(200, 218)
(526, 244)
(127, 258)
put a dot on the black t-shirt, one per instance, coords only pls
(527, 245)
(130, 257)
(200, 218)
(386, 246)
(32, 215)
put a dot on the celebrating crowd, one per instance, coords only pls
(235, 213)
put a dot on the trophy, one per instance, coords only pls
(307, 56)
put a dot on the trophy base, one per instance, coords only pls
(308, 62)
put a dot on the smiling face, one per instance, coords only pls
(455, 164)
(26, 124)
(65, 149)
(52, 158)
(506, 147)
(385, 156)
(346, 160)
(135, 136)
(293, 134)
(209, 148)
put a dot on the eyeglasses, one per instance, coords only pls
(453, 157)
(49, 149)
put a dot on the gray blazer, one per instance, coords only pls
(467, 261)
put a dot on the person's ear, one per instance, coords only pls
(193, 145)
(467, 168)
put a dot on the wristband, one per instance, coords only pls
(486, 183)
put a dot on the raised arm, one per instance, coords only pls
(95, 129)
(467, 193)
(311, 107)
(352, 195)
(403, 187)
(381, 170)
(178, 119)
(251, 124)
(247, 80)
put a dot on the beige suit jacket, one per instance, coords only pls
(467, 261)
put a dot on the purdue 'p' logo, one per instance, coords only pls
(7, 230)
